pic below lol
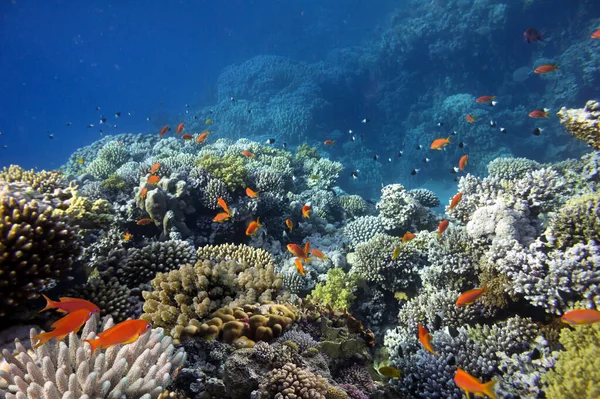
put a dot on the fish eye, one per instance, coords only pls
(148, 326)
(96, 310)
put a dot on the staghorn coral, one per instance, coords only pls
(578, 221)
(37, 248)
(229, 169)
(353, 205)
(362, 229)
(511, 168)
(185, 296)
(425, 197)
(583, 123)
(293, 382)
(43, 181)
(337, 291)
(66, 370)
(576, 372)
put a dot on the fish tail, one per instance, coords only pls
(94, 344)
(50, 304)
(488, 389)
(43, 338)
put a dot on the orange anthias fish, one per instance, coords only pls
(440, 143)
(469, 297)
(318, 254)
(253, 227)
(329, 142)
(154, 168)
(455, 200)
(221, 202)
(67, 305)
(187, 136)
(298, 251)
(546, 68)
(470, 119)
(596, 34)
(470, 384)
(126, 332)
(180, 128)
(221, 217)
(153, 179)
(72, 322)
(144, 221)
(251, 193)
(248, 154)
(539, 113)
(300, 268)
(425, 339)
(164, 130)
(202, 137)
(442, 227)
(144, 192)
(127, 237)
(306, 209)
(485, 99)
(581, 316)
(463, 162)
(289, 224)
(408, 236)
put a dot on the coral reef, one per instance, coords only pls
(583, 123)
(337, 291)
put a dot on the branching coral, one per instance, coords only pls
(44, 182)
(291, 382)
(398, 209)
(583, 123)
(229, 169)
(353, 205)
(362, 229)
(238, 252)
(425, 197)
(578, 221)
(60, 370)
(88, 214)
(511, 168)
(337, 292)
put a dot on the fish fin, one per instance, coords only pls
(50, 304)
(131, 340)
(42, 339)
(488, 389)
(94, 344)
(307, 248)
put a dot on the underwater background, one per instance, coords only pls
(300, 199)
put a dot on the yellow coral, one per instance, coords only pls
(88, 214)
(45, 182)
(583, 123)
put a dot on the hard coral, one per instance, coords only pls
(362, 229)
(578, 221)
(229, 169)
(353, 205)
(66, 370)
(583, 123)
(337, 292)
(44, 182)
(511, 168)
(255, 257)
(37, 249)
(89, 214)
(293, 382)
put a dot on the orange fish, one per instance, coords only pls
(442, 227)
(248, 154)
(438, 144)
(455, 200)
(72, 322)
(469, 297)
(144, 221)
(164, 130)
(470, 384)
(306, 209)
(127, 237)
(144, 192)
(253, 227)
(298, 251)
(318, 254)
(154, 168)
(485, 99)
(596, 34)
(67, 305)
(425, 339)
(581, 316)
(187, 136)
(153, 179)
(470, 119)
(221, 202)
(539, 113)
(463, 162)
(202, 137)
(126, 332)
(222, 217)
(251, 193)
(329, 142)
(300, 268)
(546, 68)
(289, 224)
(180, 128)
(408, 236)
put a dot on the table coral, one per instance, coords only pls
(583, 123)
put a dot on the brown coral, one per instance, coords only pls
(44, 182)
(583, 123)
(293, 382)
(237, 252)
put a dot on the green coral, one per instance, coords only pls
(229, 169)
(578, 221)
(337, 291)
(109, 159)
(114, 183)
(307, 152)
(575, 374)
(88, 214)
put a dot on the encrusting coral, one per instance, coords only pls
(66, 370)
(583, 123)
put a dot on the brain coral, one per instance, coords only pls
(37, 248)
(583, 123)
